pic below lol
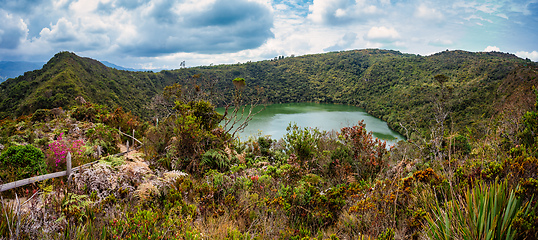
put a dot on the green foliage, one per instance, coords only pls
(204, 112)
(524, 223)
(26, 160)
(345, 185)
(215, 159)
(484, 212)
(41, 115)
(104, 136)
(529, 135)
(461, 144)
(125, 121)
(379, 81)
(184, 137)
(77, 207)
(307, 206)
(113, 161)
(265, 146)
(145, 224)
(302, 142)
(87, 112)
(239, 83)
(386, 235)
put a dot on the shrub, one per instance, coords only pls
(87, 112)
(367, 152)
(105, 137)
(461, 144)
(41, 115)
(58, 150)
(126, 121)
(265, 146)
(26, 160)
(302, 142)
(192, 131)
(309, 207)
(145, 224)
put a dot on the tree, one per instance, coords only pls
(441, 112)
(242, 110)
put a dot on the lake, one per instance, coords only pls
(276, 117)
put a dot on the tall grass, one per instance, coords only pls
(485, 211)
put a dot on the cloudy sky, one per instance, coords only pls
(157, 34)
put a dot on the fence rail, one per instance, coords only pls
(7, 186)
(67, 172)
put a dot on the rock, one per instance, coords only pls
(80, 100)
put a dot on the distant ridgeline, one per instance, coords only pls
(9, 69)
(398, 88)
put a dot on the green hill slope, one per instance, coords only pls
(67, 76)
(397, 87)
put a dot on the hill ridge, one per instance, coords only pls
(396, 87)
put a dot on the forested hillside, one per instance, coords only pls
(398, 88)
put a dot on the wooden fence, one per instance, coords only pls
(23, 182)
(68, 171)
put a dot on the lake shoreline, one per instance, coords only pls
(274, 119)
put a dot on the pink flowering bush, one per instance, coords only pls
(57, 151)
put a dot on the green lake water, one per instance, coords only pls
(274, 119)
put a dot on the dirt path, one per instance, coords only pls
(133, 155)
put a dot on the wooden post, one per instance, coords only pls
(98, 151)
(127, 145)
(133, 139)
(68, 163)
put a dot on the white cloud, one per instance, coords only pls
(383, 34)
(13, 30)
(477, 17)
(426, 12)
(62, 31)
(502, 15)
(338, 12)
(154, 27)
(521, 6)
(469, 6)
(492, 49)
(530, 55)
(157, 33)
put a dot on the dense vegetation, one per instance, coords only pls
(398, 88)
(469, 169)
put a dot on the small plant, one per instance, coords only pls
(113, 161)
(215, 159)
(26, 160)
(386, 235)
(12, 219)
